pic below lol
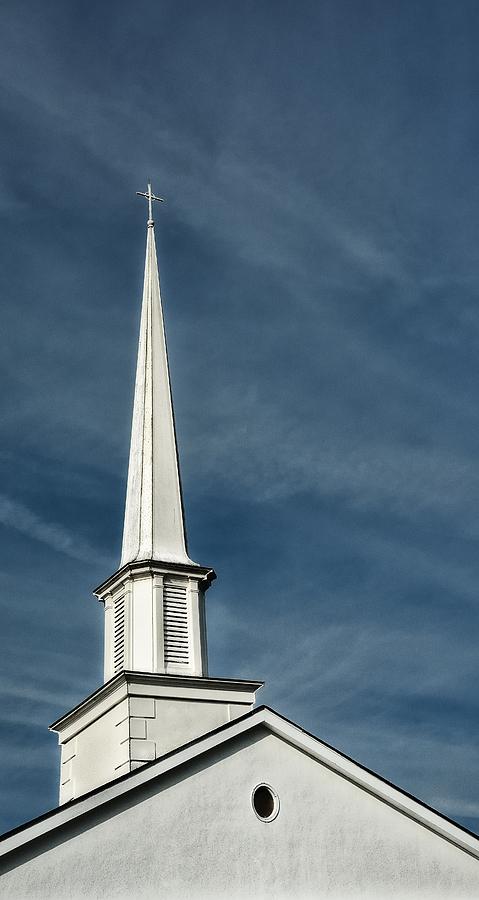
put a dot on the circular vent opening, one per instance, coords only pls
(265, 802)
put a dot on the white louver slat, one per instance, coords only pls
(119, 635)
(175, 625)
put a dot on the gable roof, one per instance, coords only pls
(272, 721)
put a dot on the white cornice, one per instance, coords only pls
(144, 567)
(139, 684)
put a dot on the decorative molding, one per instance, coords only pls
(155, 567)
(129, 683)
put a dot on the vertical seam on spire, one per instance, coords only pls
(145, 370)
(152, 398)
(181, 524)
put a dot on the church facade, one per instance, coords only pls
(175, 784)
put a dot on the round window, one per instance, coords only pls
(265, 802)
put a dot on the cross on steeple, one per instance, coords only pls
(150, 197)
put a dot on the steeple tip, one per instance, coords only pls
(150, 196)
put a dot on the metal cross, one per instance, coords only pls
(150, 197)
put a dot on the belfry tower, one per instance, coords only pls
(157, 694)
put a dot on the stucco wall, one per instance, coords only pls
(194, 834)
(175, 722)
(135, 731)
(95, 755)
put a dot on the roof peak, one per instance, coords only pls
(283, 728)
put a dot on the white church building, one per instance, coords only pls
(175, 784)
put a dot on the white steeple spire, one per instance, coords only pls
(154, 524)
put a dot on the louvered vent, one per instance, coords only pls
(119, 635)
(175, 625)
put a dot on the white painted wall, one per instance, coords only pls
(122, 730)
(176, 722)
(96, 754)
(193, 834)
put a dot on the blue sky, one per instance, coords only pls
(320, 273)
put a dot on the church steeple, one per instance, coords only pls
(154, 604)
(154, 521)
(157, 694)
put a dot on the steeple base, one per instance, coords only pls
(138, 717)
(155, 618)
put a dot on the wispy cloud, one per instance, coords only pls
(16, 515)
(262, 449)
